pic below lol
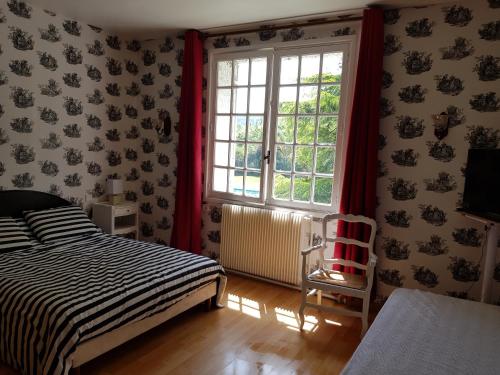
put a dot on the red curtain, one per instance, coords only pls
(186, 232)
(359, 185)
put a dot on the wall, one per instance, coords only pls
(440, 58)
(78, 104)
(161, 80)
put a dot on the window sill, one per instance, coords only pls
(316, 214)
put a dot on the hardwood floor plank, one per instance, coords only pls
(256, 333)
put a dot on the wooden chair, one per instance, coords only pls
(328, 280)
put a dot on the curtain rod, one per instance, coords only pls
(283, 26)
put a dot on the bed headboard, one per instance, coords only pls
(14, 202)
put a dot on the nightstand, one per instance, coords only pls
(120, 219)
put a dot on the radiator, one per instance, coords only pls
(263, 242)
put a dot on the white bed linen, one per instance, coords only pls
(419, 332)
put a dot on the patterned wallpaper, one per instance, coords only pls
(78, 104)
(443, 58)
(160, 81)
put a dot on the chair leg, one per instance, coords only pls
(318, 296)
(302, 307)
(364, 318)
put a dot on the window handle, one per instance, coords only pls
(267, 158)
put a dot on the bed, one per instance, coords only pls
(419, 332)
(64, 303)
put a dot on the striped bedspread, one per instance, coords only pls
(54, 297)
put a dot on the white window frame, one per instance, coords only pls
(212, 115)
(349, 46)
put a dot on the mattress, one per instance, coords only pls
(419, 332)
(54, 297)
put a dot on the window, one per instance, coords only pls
(240, 118)
(276, 123)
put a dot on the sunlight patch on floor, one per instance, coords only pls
(283, 316)
(244, 305)
(292, 321)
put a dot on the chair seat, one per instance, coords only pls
(344, 279)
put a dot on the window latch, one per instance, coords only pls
(267, 158)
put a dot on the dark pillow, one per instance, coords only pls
(11, 236)
(59, 223)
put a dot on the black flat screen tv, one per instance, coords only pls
(482, 183)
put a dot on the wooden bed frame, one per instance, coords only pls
(95, 347)
(14, 202)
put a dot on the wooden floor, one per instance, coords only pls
(257, 333)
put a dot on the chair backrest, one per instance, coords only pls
(349, 241)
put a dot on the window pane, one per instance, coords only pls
(236, 181)
(241, 72)
(325, 157)
(239, 128)
(289, 69)
(237, 157)
(223, 100)
(332, 67)
(323, 187)
(255, 128)
(284, 129)
(224, 71)
(259, 71)
(307, 99)
(222, 127)
(254, 156)
(305, 129)
(283, 159)
(281, 186)
(309, 69)
(327, 131)
(252, 184)
(303, 159)
(257, 99)
(287, 99)
(302, 189)
(240, 100)
(330, 99)
(220, 179)
(221, 151)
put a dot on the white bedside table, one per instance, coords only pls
(121, 219)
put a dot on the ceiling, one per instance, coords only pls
(149, 18)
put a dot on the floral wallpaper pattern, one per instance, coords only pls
(78, 105)
(442, 58)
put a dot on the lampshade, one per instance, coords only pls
(114, 187)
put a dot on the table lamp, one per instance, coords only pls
(114, 189)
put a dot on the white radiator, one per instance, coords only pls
(263, 242)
